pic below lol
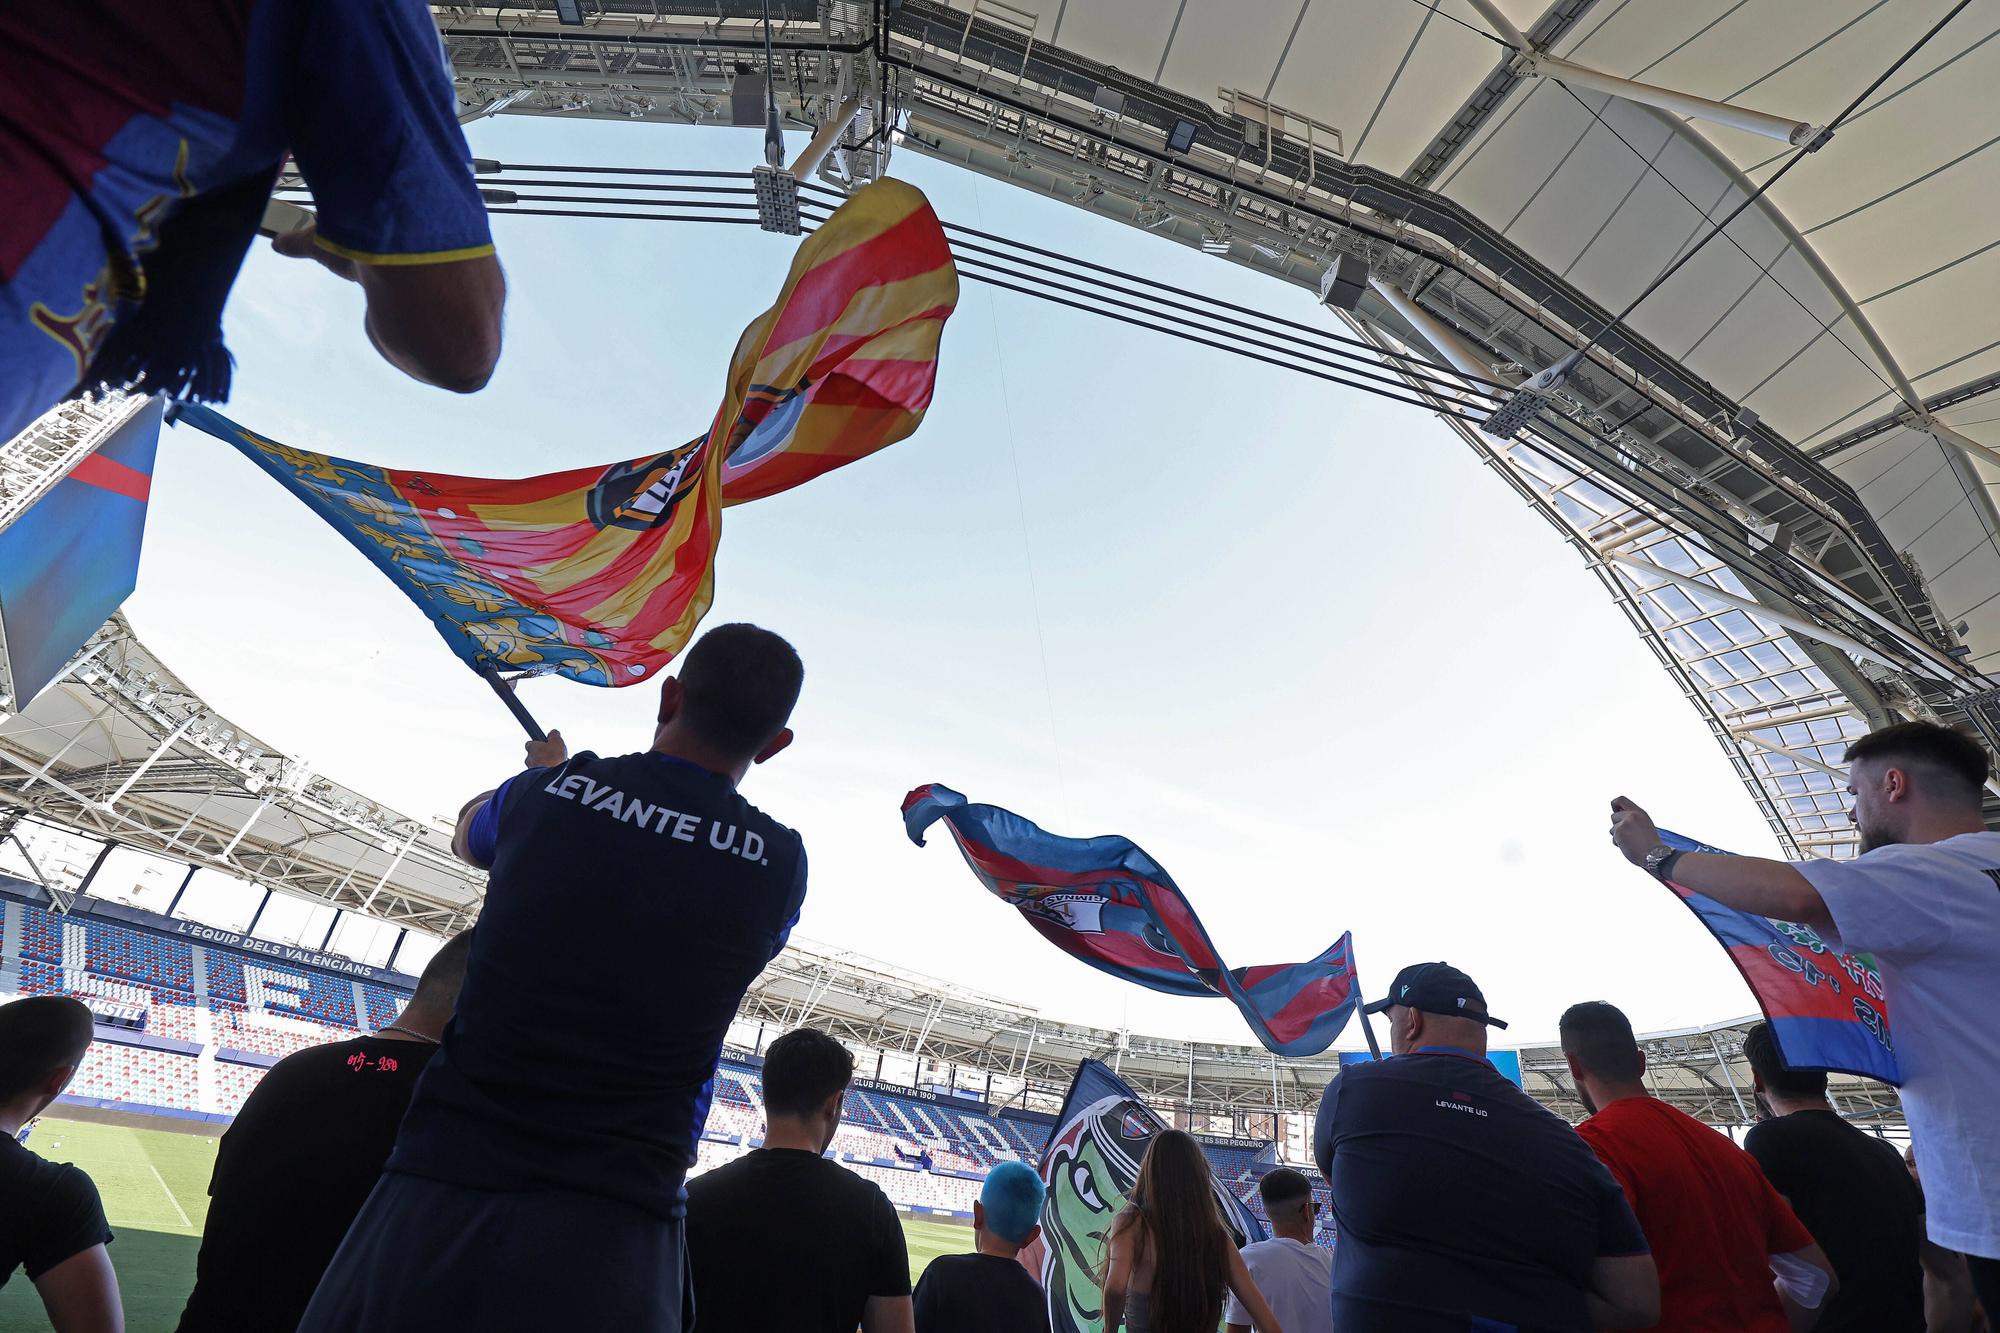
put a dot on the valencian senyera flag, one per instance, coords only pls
(1827, 1009)
(1090, 1166)
(1104, 902)
(602, 573)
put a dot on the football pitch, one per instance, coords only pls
(155, 1188)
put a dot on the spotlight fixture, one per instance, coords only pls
(1217, 243)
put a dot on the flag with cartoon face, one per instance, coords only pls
(602, 573)
(1827, 1009)
(1089, 1167)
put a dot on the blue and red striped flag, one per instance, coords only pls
(1827, 1009)
(72, 558)
(1105, 902)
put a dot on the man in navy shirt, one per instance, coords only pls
(537, 1179)
(1463, 1206)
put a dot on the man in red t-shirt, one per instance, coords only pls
(1732, 1256)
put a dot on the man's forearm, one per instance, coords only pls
(1753, 884)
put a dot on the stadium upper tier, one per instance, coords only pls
(189, 1017)
(1780, 465)
(120, 749)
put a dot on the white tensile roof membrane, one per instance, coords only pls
(1901, 207)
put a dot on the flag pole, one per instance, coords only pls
(1368, 1031)
(527, 720)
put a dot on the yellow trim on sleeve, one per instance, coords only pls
(431, 257)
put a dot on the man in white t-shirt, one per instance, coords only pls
(1923, 897)
(1295, 1275)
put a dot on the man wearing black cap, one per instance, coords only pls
(1462, 1204)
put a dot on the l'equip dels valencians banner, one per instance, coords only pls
(1090, 1167)
(602, 573)
(1105, 902)
(1827, 1010)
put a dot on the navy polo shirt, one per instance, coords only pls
(1463, 1205)
(631, 903)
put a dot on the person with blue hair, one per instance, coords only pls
(988, 1291)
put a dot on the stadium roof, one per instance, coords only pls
(885, 1007)
(120, 749)
(1780, 465)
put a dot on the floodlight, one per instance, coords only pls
(1529, 399)
(777, 200)
(1181, 137)
(570, 13)
(1108, 100)
(1745, 422)
(1216, 243)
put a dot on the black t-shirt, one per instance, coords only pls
(1854, 1194)
(632, 901)
(49, 1212)
(291, 1173)
(1458, 1197)
(980, 1293)
(837, 1242)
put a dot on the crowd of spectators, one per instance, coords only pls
(506, 1157)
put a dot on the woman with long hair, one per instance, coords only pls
(1172, 1256)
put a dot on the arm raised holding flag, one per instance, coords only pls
(1747, 883)
(1900, 939)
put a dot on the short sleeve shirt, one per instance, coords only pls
(49, 1212)
(630, 904)
(307, 1146)
(1713, 1219)
(1930, 914)
(1296, 1281)
(1460, 1198)
(983, 1293)
(1854, 1194)
(161, 102)
(853, 1248)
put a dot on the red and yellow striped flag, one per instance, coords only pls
(601, 574)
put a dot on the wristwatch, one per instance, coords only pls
(1659, 862)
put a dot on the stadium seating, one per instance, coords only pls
(281, 988)
(138, 1075)
(199, 999)
(383, 1006)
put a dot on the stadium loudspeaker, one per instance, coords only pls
(746, 98)
(1344, 282)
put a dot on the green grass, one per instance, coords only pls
(155, 1190)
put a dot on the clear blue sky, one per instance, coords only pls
(1296, 642)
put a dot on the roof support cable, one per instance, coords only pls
(1533, 396)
